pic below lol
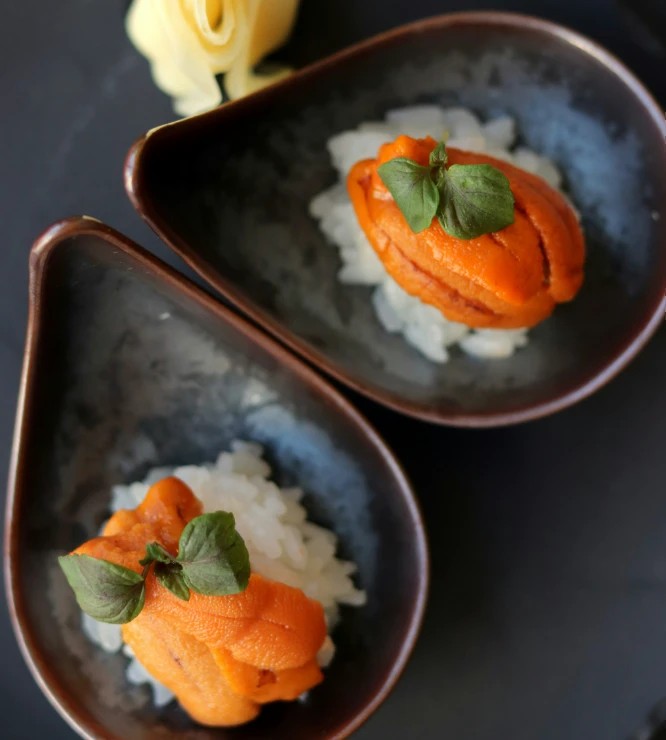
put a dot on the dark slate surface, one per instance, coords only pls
(548, 610)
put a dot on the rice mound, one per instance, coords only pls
(282, 544)
(422, 325)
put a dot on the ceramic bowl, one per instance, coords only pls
(129, 366)
(229, 192)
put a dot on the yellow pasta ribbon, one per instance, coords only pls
(188, 42)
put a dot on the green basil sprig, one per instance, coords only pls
(212, 560)
(468, 200)
(104, 590)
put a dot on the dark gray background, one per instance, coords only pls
(548, 610)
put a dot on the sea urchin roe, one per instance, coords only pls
(222, 656)
(505, 279)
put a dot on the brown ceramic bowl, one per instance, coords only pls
(229, 191)
(129, 366)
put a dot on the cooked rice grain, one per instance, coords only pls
(423, 326)
(283, 545)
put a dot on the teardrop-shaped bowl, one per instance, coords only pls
(229, 191)
(129, 366)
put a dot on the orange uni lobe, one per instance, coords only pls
(222, 656)
(506, 279)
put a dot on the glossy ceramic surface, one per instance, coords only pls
(129, 366)
(229, 191)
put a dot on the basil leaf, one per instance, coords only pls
(475, 199)
(438, 156)
(105, 591)
(156, 553)
(171, 577)
(213, 555)
(413, 190)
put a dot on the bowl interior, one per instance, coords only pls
(230, 192)
(130, 368)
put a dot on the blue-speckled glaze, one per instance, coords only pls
(129, 372)
(231, 192)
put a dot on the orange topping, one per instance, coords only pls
(222, 656)
(506, 279)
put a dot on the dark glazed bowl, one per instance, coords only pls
(129, 366)
(229, 191)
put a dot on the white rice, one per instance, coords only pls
(282, 544)
(423, 326)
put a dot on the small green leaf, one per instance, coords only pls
(171, 577)
(155, 553)
(105, 591)
(413, 190)
(213, 555)
(438, 156)
(476, 199)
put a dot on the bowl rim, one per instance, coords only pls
(573, 392)
(50, 241)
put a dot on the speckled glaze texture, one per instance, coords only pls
(128, 367)
(230, 191)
